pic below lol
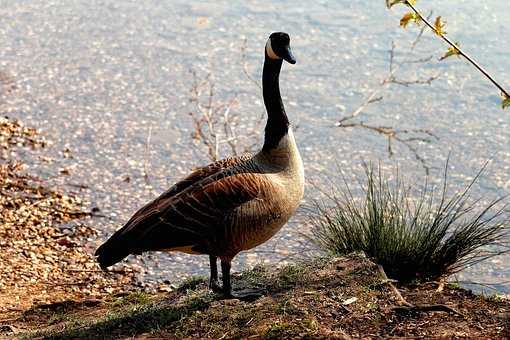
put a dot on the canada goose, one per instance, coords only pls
(228, 206)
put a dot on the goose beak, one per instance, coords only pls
(288, 56)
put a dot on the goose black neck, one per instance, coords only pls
(277, 122)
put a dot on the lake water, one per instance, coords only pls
(100, 77)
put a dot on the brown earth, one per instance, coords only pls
(329, 298)
(42, 253)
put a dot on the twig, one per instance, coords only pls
(400, 299)
(147, 156)
(406, 83)
(405, 306)
(427, 308)
(206, 136)
(396, 134)
(390, 78)
(214, 123)
(459, 50)
(99, 271)
(393, 134)
(245, 64)
(227, 128)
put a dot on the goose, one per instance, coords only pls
(231, 205)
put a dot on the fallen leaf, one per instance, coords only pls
(350, 301)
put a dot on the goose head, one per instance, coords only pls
(278, 47)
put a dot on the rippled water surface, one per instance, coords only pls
(100, 77)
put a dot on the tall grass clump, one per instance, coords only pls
(414, 233)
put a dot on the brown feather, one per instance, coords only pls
(188, 215)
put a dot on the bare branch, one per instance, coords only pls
(390, 133)
(407, 83)
(404, 306)
(391, 78)
(215, 123)
(399, 135)
(147, 156)
(245, 65)
(458, 49)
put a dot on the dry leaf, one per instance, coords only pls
(439, 26)
(408, 17)
(350, 301)
(451, 51)
(391, 3)
(506, 101)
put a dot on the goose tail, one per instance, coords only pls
(111, 252)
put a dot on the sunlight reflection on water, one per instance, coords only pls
(95, 76)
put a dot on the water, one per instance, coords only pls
(96, 76)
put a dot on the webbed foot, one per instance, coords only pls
(215, 287)
(247, 294)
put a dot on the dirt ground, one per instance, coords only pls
(42, 254)
(338, 298)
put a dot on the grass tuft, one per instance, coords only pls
(414, 234)
(132, 298)
(192, 283)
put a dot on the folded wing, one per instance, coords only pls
(188, 215)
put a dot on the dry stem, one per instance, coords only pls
(405, 306)
(245, 65)
(392, 134)
(214, 123)
(459, 50)
(147, 156)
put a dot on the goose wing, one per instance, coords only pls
(198, 216)
(190, 214)
(196, 176)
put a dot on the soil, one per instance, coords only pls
(42, 254)
(338, 298)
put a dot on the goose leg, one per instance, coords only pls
(213, 281)
(245, 294)
(225, 277)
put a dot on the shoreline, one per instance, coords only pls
(339, 298)
(45, 243)
(51, 286)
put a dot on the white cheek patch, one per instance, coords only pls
(269, 50)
